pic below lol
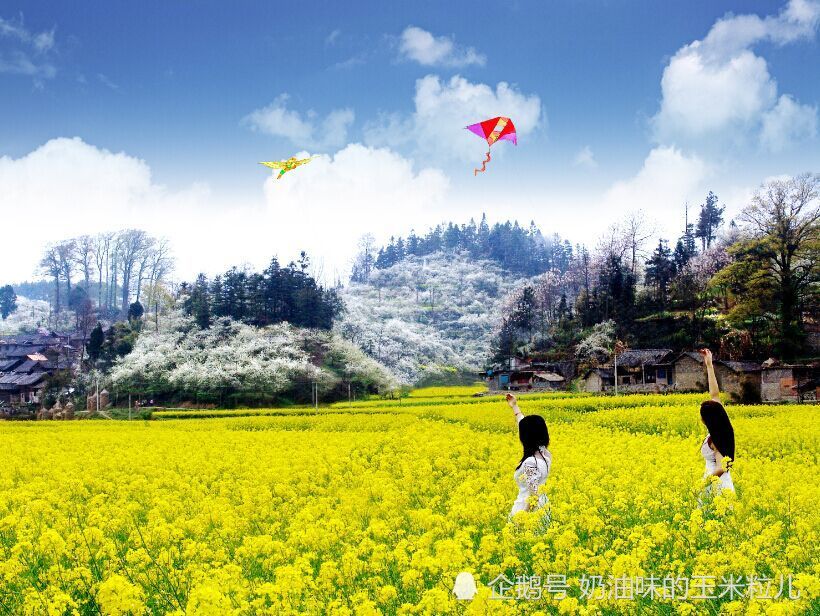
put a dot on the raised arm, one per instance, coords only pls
(513, 402)
(714, 390)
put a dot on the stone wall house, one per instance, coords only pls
(789, 382)
(598, 380)
(739, 379)
(689, 373)
(645, 367)
(520, 375)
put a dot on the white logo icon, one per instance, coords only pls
(464, 589)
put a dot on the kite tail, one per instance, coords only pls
(483, 165)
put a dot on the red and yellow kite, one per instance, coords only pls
(496, 129)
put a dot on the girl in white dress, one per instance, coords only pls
(720, 441)
(534, 468)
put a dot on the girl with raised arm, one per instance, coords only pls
(720, 441)
(534, 467)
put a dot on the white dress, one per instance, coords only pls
(712, 465)
(530, 476)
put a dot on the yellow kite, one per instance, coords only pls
(287, 165)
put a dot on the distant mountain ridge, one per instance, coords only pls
(524, 251)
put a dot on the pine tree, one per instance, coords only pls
(8, 301)
(95, 343)
(506, 342)
(524, 313)
(709, 219)
(198, 302)
(659, 271)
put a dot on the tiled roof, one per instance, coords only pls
(741, 366)
(632, 358)
(16, 380)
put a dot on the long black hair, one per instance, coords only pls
(720, 427)
(533, 433)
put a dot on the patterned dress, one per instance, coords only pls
(530, 476)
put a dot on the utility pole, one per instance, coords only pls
(618, 348)
(616, 373)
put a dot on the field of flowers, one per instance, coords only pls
(376, 507)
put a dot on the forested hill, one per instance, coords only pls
(428, 317)
(523, 251)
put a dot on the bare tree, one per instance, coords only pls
(101, 244)
(160, 265)
(636, 230)
(143, 259)
(50, 265)
(131, 245)
(84, 258)
(365, 259)
(66, 253)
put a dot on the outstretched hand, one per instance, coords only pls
(707, 354)
(511, 400)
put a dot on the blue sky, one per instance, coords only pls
(173, 86)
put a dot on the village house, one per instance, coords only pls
(781, 382)
(739, 379)
(26, 362)
(639, 370)
(598, 380)
(659, 370)
(517, 374)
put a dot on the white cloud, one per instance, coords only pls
(107, 82)
(301, 130)
(444, 108)
(331, 38)
(325, 206)
(718, 88)
(428, 50)
(76, 188)
(27, 56)
(786, 123)
(585, 158)
(667, 179)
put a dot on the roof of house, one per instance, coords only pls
(734, 366)
(691, 355)
(12, 382)
(741, 366)
(550, 377)
(21, 351)
(604, 373)
(632, 358)
(9, 364)
(28, 366)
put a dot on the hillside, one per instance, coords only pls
(32, 314)
(427, 317)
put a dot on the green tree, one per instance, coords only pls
(524, 312)
(709, 219)
(135, 311)
(775, 268)
(659, 271)
(95, 342)
(506, 343)
(8, 301)
(198, 302)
